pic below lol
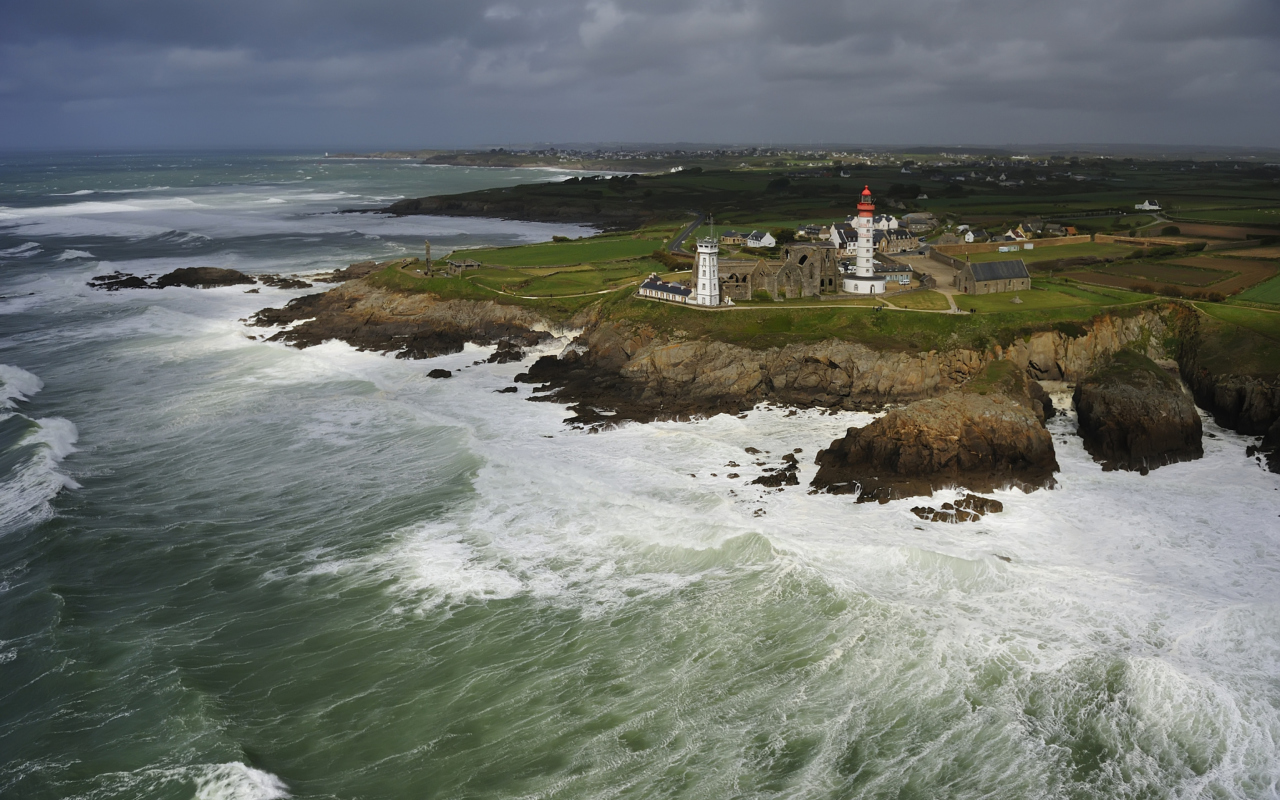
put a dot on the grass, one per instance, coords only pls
(1240, 340)
(923, 300)
(776, 325)
(395, 279)
(1268, 292)
(1055, 252)
(579, 251)
(1264, 323)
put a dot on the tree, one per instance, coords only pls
(784, 235)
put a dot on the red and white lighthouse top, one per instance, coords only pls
(865, 207)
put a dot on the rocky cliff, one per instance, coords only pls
(648, 374)
(985, 437)
(1134, 416)
(411, 325)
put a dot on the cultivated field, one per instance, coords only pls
(1196, 276)
(1248, 272)
(1248, 216)
(1222, 231)
(1267, 292)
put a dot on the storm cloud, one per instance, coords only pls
(391, 73)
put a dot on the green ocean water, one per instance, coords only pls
(229, 569)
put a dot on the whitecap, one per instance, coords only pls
(77, 193)
(236, 781)
(70, 255)
(16, 385)
(21, 251)
(32, 484)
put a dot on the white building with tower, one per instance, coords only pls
(864, 279)
(707, 280)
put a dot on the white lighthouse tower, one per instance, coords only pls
(864, 280)
(707, 291)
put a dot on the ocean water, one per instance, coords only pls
(230, 569)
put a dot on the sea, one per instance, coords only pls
(233, 570)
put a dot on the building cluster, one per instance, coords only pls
(851, 260)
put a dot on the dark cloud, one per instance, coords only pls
(332, 73)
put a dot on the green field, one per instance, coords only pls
(923, 300)
(1264, 323)
(1268, 292)
(569, 281)
(1047, 295)
(1246, 216)
(1055, 252)
(579, 251)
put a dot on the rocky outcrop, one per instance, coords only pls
(203, 278)
(1246, 398)
(969, 508)
(983, 438)
(1134, 416)
(420, 325)
(197, 277)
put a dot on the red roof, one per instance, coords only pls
(866, 191)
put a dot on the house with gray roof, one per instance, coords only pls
(990, 277)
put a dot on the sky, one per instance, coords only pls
(380, 74)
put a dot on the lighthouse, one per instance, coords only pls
(708, 272)
(864, 279)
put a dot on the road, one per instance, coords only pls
(675, 247)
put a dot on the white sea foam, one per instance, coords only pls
(17, 385)
(236, 781)
(71, 255)
(33, 483)
(77, 193)
(21, 251)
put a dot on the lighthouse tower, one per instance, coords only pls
(864, 280)
(707, 290)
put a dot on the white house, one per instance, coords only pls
(761, 239)
(1148, 205)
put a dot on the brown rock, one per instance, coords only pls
(986, 438)
(1134, 416)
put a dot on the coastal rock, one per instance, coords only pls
(203, 278)
(353, 272)
(1134, 416)
(417, 325)
(283, 283)
(506, 352)
(439, 373)
(983, 439)
(115, 281)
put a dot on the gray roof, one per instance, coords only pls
(667, 288)
(999, 270)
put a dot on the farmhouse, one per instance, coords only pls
(920, 221)
(895, 240)
(733, 237)
(989, 277)
(1148, 205)
(761, 239)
